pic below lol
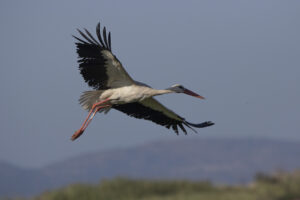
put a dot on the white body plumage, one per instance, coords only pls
(127, 94)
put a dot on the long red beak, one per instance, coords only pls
(189, 92)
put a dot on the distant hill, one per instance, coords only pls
(217, 160)
(15, 181)
(278, 186)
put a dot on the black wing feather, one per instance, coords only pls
(90, 59)
(201, 125)
(109, 41)
(174, 127)
(99, 34)
(85, 37)
(91, 36)
(105, 38)
(182, 128)
(80, 40)
(140, 111)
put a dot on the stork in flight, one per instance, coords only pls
(114, 88)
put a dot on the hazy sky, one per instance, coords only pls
(243, 56)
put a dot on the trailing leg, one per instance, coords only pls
(95, 108)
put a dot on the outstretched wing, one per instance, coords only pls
(151, 109)
(98, 66)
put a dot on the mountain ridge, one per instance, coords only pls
(218, 160)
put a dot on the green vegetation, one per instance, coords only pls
(280, 186)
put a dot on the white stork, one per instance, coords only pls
(114, 88)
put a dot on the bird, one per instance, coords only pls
(115, 89)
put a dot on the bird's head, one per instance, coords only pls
(180, 89)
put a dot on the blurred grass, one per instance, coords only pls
(279, 186)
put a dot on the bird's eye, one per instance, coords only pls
(180, 87)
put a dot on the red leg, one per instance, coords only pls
(93, 107)
(94, 113)
(84, 125)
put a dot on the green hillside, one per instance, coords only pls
(280, 186)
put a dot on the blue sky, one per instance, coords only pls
(243, 56)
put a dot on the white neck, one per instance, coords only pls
(160, 92)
